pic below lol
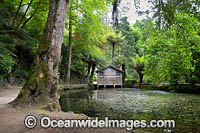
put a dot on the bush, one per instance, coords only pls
(6, 63)
(94, 78)
(130, 81)
(194, 80)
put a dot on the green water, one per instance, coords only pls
(136, 104)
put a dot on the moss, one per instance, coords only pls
(21, 101)
(22, 91)
(53, 107)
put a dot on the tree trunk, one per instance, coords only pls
(124, 73)
(70, 48)
(41, 87)
(113, 52)
(159, 17)
(92, 72)
(64, 53)
(89, 67)
(141, 77)
(115, 13)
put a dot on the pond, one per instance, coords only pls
(130, 103)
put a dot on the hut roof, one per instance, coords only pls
(110, 66)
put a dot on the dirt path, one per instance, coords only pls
(8, 94)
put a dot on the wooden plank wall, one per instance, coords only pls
(109, 77)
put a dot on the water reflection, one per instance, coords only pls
(135, 104)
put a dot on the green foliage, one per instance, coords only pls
(114, 38)
(94, 79)
(135, 36)
(169, 52)
(138, 62)
(16, 41)
(130, 81)
(7, 62)
(165, 11)
(88, 35)
(138, 65)
(168, 49)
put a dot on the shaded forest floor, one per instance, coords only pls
(12, 119)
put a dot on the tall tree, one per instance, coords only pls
(165, 10)
(115, 13)
(171, 59)
(114, 40)
(138, 65)
(69, 47)
(41, 86)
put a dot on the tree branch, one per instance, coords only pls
(27, 20)
(20, 5)
(24, 14)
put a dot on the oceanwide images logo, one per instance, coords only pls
(46, 122)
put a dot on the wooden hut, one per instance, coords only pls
(110, 75)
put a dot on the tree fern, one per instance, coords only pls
(10, 39)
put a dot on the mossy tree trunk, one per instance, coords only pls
(41, 86)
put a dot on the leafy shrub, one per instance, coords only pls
(94, 78)
(6, 63)
(194, 80)
(130, 81)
